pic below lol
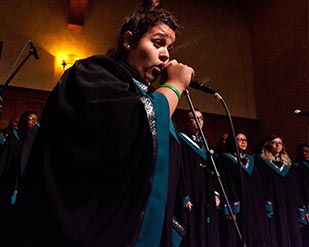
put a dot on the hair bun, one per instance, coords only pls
(149, 5)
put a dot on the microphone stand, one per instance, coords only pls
(217, 95)
(11, 76)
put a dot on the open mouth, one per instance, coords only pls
(156, 71)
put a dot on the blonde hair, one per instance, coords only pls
(267, 154)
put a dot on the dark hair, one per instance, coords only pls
(148, 15)
(187, 117)
(272, 137)
(230, 141)
(22, 124)
(268, 139)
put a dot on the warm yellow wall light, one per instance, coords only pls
(68, 60)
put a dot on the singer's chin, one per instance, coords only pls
(153, 78)
(149, 78)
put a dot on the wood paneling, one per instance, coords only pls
(1, 44)
(16, 100)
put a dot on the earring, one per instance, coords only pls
(128, 46)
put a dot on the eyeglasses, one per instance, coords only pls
(32, 119)
(241, 140)
(276, 143)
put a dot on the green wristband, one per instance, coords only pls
(172, 88)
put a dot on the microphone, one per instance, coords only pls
(201, 86)
(33, 50)
(301, 113)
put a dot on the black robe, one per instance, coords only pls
(245, 192)
(102, 171)
(282, 194)
(202, 222)
(9, 176)
(9, 167)
(303, 177)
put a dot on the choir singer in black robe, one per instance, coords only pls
(244, 189)
(103, 169)
(284, 202)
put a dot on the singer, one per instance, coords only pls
(103, 170)
(201, 196)
(285, 204)
(245, 194)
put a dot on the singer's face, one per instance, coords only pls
(192, 126)
(32, 120)
(305, 153)
(242, 141)
(276, 146)
(152, 52)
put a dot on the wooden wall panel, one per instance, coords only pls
(1, 44)
(16, 100)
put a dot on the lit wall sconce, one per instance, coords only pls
(68, 60)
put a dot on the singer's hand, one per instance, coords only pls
(189, 206)
(229, 217)
(177, 74)
(176, 77)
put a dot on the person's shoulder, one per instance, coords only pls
(98, 58)
(95, 63)
(2, 138)
(11, 138)
(101, 66)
